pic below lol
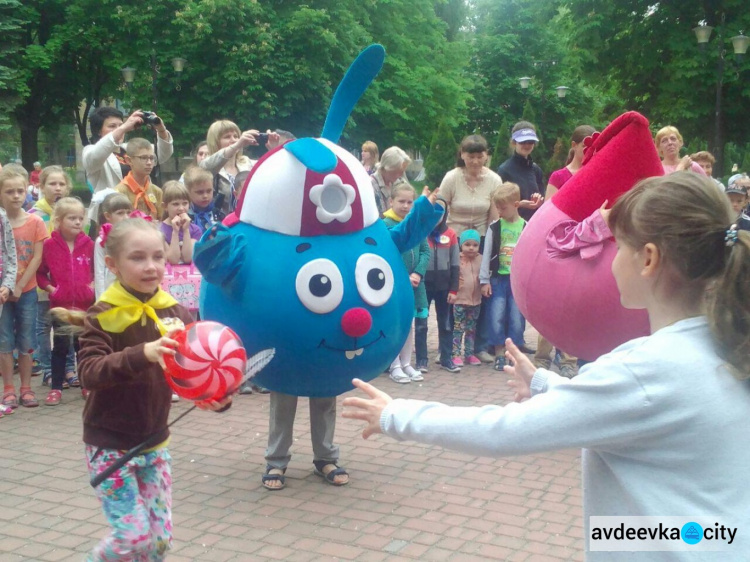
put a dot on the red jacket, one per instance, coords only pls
(71, 272)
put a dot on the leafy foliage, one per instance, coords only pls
(442, 156)
(649, 52)
(451, 63)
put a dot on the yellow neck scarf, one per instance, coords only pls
(391, 214)
(44, 206)
(128, 309)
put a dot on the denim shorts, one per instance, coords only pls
(18, 324)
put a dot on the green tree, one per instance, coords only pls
(10, 26)
(40, 83)
(442, 156)
(648, 51)
(515, 38)
(500, 151)
(261, 64)
(454, 13)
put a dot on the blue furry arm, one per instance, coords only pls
(417, 225)
(219, 255)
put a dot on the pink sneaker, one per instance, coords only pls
(458, 362)
(473, 360)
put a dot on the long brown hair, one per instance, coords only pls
(579, 133)
(687, 218)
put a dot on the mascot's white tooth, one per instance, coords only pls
(359, 351)
(350, 354)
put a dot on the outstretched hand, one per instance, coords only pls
(367, 410)
(534, 203)
(521, 369)
(431, 195)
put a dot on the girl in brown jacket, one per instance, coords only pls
(124, 339)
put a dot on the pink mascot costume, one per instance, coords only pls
(562, 279)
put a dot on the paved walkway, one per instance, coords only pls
(405, 501)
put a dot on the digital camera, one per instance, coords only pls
(150, 118)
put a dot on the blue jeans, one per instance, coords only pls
(17, 324)
(443, 312)
(43, 352)
(503, 319)
(480, 340)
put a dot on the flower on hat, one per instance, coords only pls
(333, 199)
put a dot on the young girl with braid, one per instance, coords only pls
(662, 418)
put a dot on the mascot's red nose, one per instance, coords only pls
(356, 322)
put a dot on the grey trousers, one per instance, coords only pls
(281, 429)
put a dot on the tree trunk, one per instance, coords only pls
(29, 144)
(82, 120)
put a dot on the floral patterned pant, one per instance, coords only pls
(137, 502)
(464, 327)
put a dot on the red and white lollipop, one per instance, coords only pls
(209, 364)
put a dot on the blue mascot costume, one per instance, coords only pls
(305, 266)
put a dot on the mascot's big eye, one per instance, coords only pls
(374, 279)
(320, 286)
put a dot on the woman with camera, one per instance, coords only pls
(104, 159)
(225, 160)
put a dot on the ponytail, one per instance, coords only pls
(729, 307)
(688, 219)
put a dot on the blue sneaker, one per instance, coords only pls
(450, 367)
(500, 363)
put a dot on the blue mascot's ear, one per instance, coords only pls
(361, 73)
(313, 154)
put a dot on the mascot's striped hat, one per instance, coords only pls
(312, 187)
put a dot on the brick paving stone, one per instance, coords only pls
(406, 501)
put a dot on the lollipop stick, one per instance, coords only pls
(137, 450)
(254, 365)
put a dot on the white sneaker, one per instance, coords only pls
(397, 375)
(175, 397)
(412, 373)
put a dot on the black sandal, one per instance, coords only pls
(330, 477)
(267, 477)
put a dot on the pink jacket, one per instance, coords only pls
(71, 272)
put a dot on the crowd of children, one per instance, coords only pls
(49, 261)
(452, 273)
(460, 275)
